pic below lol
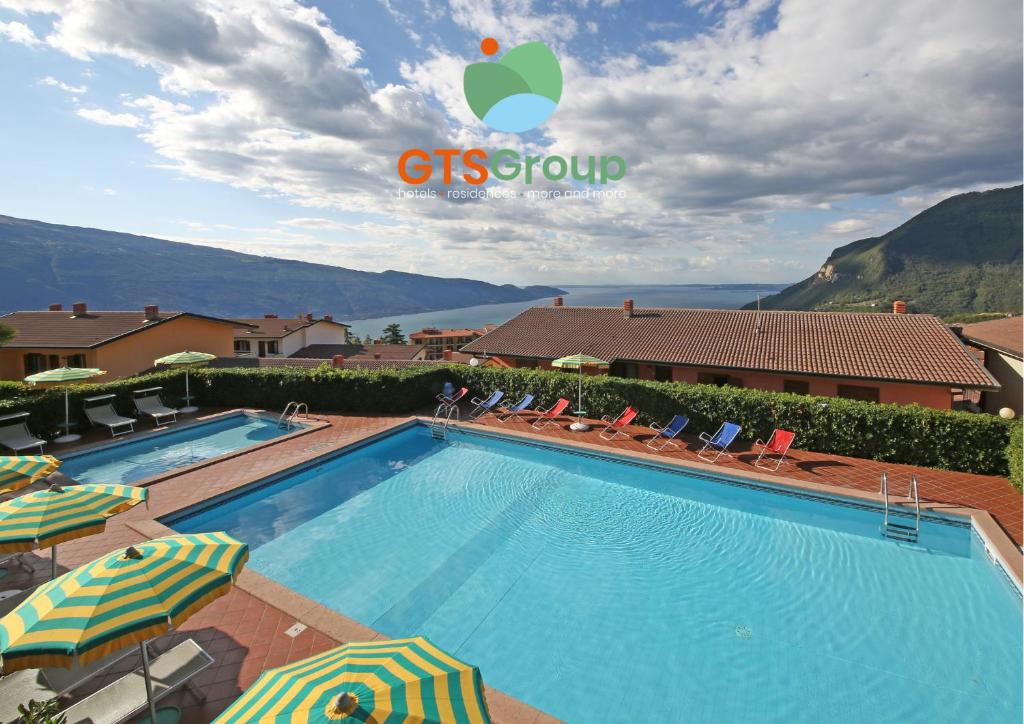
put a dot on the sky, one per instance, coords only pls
(757, 135)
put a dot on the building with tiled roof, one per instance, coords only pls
(121, 342)
(900, 358)
(438, 341)
(274, 336)
(356, 351)
(1001, 342)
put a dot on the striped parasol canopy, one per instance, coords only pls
(405, 680)
(578, 361)
(185, 358)
(63, 375)
(20, 471)
(59, 514)
(123, 598)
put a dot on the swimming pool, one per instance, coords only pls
(609, 591)
(133, 459)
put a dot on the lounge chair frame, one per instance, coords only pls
(112, 420)
(665, 436)
(153, 393)
(505, 414)
(545, 417)
(767, 449)
(712, 442)
(615, 424)
(26, 440)
(485, 405)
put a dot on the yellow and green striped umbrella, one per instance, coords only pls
(20, 471)
(123, 598)
(578, 362)
(406, 680)
(59, 514)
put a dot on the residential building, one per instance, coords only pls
(123, 343)
(1001, 342)
(357, 351)
(437, 341)
(898, 358)
(273, 336)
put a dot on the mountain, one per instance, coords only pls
(962, 255)
(47, 263)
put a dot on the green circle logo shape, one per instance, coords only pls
(517, 93)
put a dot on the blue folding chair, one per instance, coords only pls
(482, 407)
(719, 443)
(509, 413)
(665, 436)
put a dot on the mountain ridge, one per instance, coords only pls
(45, 263)
(960, 256)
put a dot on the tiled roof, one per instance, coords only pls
(278, 326)
(361, 351)
(1005, 335)
(91, 329)
(444, 333)
(888, 347)
(311, 362)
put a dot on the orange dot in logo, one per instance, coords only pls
(489, 46)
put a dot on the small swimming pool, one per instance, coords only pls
(601, 590)
(133, 459)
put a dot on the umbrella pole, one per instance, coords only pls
(67, 436)
(188, 398)
(149, 682)
(53, 561)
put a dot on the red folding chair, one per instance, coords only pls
(778, 444)
(615, 426)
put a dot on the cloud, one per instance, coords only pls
(66, 87)
(775, 106)
(108, 118)
(19, 33)
(847, 226)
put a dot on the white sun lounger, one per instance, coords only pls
(148, 402)
(14, 433)
(106, 416)
(126, 697)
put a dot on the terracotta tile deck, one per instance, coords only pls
(246, 635)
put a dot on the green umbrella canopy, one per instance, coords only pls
(577, 361)
(65, 374)
(185, 358)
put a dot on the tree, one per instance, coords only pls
(367, 339)
(393, 335)
(6, 334)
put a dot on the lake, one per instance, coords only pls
(708, 296)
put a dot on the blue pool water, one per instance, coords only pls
(133, 460)
(601, 591)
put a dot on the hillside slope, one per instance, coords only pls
(44, 263)
(961, 255)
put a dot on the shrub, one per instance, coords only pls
(1015, 455)
(890, 433)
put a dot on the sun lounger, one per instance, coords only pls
(451, 401)
(550, 415)
(148, 402)
(14, 433)
(126, 697)
(45, 684)
(10, 601)
(778, 444)
(666, 436)
(482, 407)
(505, 414)
(104, 415)
(13, 559)
(613, 426)
(718, 445)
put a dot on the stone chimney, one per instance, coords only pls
(56, 307)
(558, 301)
(338, 361)
(627, 308)
(899, 307)
(447, 354)
(270, 316)
(328, 317)
(376, 355)
(309, 316)
(79, 308)
(152, 312)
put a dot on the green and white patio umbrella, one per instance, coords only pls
(405, 680)
(578, 362)
(126, 597)
(65, 376)
(186, 359)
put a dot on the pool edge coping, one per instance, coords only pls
(998, 544)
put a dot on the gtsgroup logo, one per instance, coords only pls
(517, 93)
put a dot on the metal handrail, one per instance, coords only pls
(917, 500)
(885, 493)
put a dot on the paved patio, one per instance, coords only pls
(246, 635)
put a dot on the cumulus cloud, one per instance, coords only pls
(847, 226)
(18, 33)
(66, 87)
(776, 106)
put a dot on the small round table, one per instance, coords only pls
(579, 425)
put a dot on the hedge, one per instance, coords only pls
(891, 433)
(1015, 455)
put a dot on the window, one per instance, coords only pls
(857, 392)
(662, 373)
(705, 378)
(796, 387)
(54, 361)
(624, 369)
(75, 360)
(34, 362)
(242, 346)
(272, 347)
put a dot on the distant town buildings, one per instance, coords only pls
(273, 336)
(438, 341)
(1002, 344)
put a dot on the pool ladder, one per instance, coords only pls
(442, 416)
(899, 531)
(292, 411)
